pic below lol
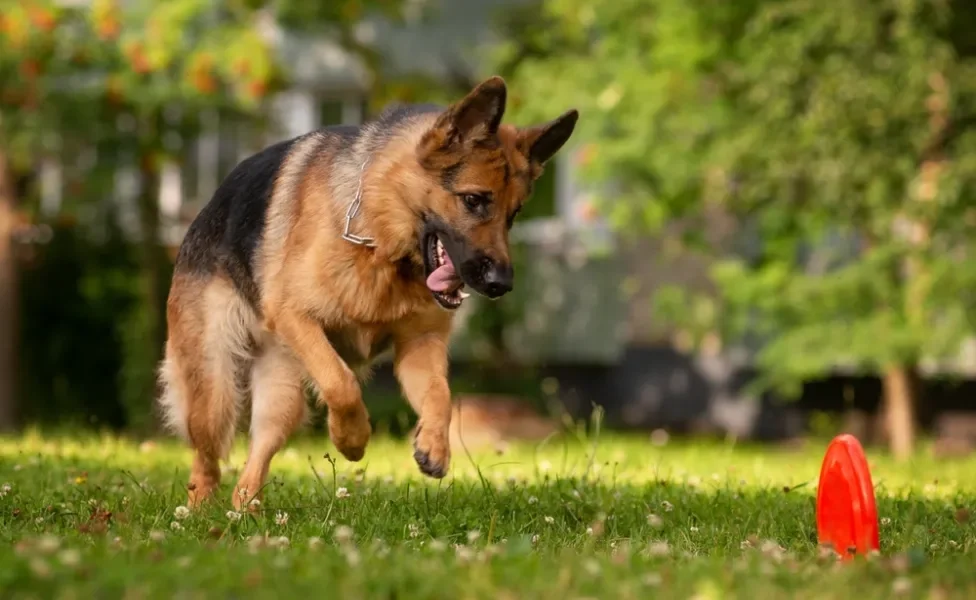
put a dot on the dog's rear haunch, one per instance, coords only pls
(278, 283)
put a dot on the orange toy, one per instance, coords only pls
(847, 517)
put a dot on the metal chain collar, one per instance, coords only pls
(354, 210)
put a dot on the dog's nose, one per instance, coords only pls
(498, 280)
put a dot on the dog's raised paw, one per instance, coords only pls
(433, 455)
(350, 433)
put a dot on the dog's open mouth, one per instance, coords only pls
(443, 281)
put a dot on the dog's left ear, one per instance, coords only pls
(541, 142)
(474, 117)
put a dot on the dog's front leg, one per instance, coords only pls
(421, 368)
(338, 386)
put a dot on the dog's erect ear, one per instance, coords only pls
(475, 116)
(541, 142)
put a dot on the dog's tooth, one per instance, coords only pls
(464, 295)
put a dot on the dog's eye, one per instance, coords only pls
(475, 202)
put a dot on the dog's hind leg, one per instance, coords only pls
(277, 409)
(206, 349)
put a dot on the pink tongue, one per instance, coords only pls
(444, 278)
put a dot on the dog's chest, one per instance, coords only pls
(358, 346)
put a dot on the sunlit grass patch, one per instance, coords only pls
(613, 516)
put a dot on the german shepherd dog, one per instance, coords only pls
(321, 252)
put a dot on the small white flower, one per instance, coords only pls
(463, 553)
(473, 536)
(342, 534)
(281, 519)
(156, 535)
(592, 567)
(342, 493)
(125, 500)
(694, 529)
(280, 542)
(655, 521)
(533, 499)
(668, 507)
(39, 520)
(902, 585)
(658, 549)
(314, 543)
(414, 530)
(233, 516)
(576, 494)
(181, 512)
(48, 544)
(535, 538)
(176, 526)
(549, 520)
(352, 556)
(255, 504)
(589, 531)
(40, 568)
(5, 489)
(885, 521)
(70, 557)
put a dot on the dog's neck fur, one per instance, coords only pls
(394, 179)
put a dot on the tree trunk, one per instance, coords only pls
(9, 323)
(899, 410)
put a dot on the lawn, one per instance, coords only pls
(604, 517)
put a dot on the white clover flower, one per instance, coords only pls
(533, 499)
(314, 543)
(668, 507)
(549, 519)
(281, 518)
(181, 512)
(655, 521)
(156, 535)
(70, 557)
(658, 548)
(342, 493)
(342, 534)
(176, 526)
(233, 516)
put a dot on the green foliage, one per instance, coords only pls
(73, 292)
(837, 135)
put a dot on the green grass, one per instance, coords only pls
(614, 517)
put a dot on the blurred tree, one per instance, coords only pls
(838, 134)
(130, 75)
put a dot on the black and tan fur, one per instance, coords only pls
(267, 295)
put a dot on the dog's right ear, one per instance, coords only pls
(474, 117)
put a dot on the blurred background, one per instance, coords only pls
(763, 228)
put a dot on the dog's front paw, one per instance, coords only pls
(350, 431)
(432, 451)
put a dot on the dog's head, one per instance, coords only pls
(481, 172)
